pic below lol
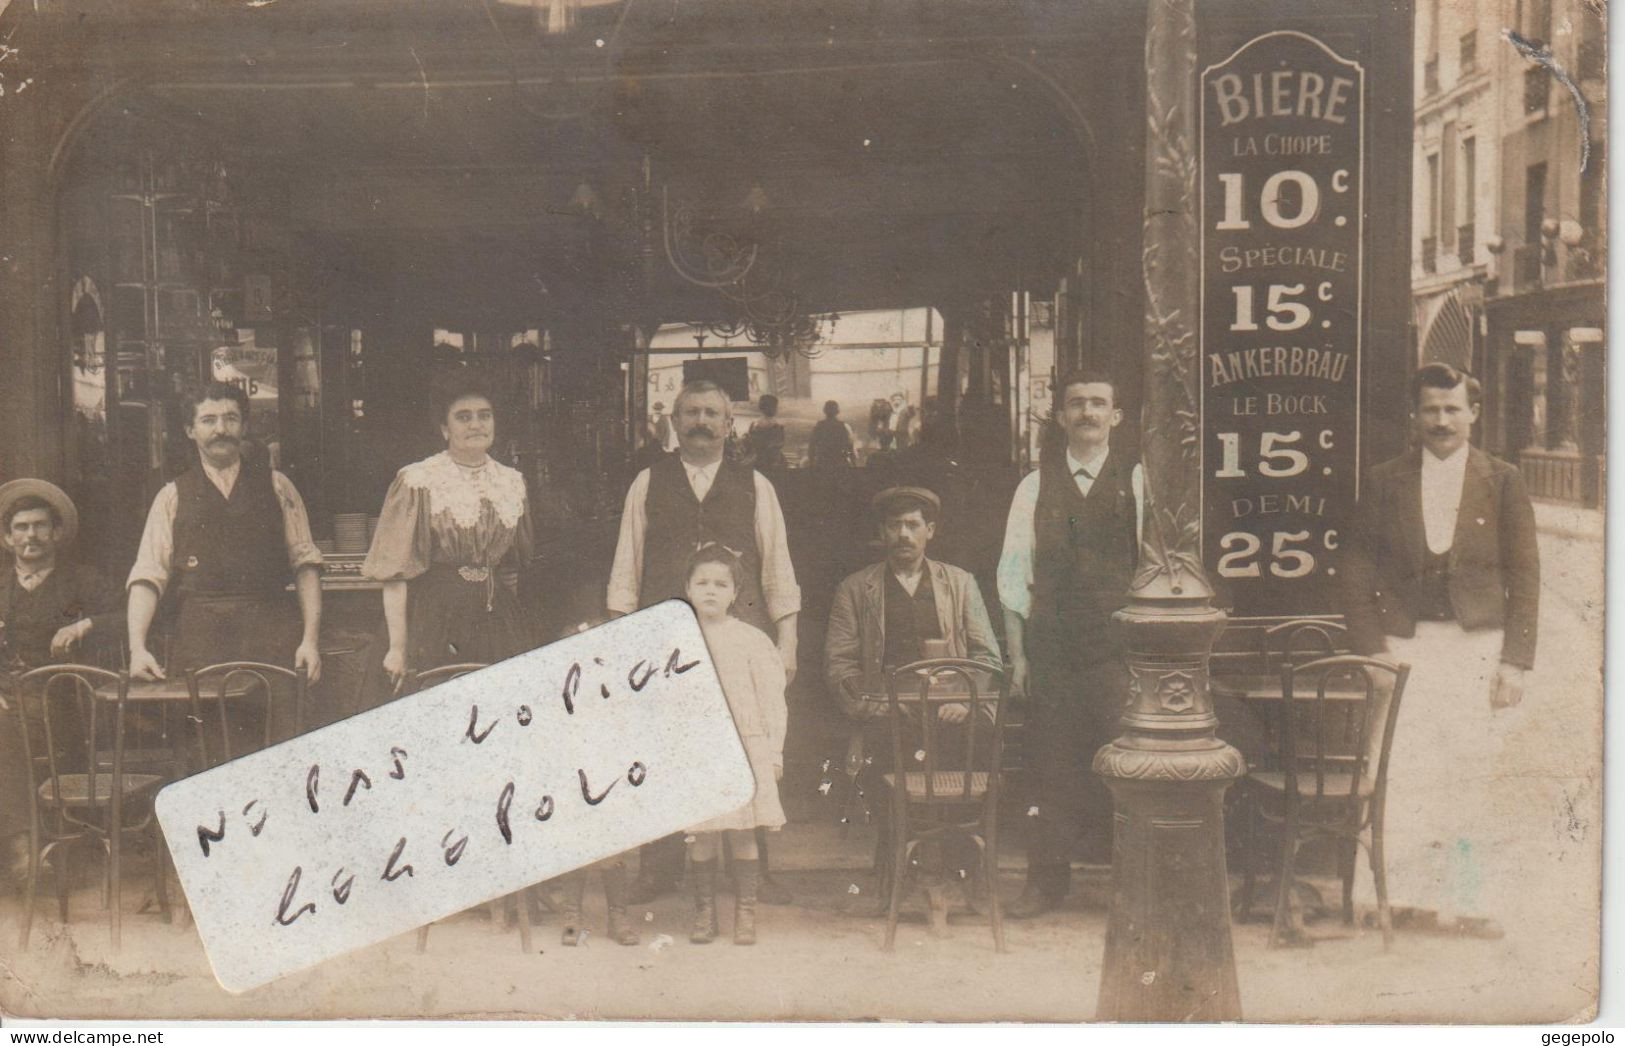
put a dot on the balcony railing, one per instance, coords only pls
(1465, 243)
(1430, 254)
(1526, 266)
(1557, 475)
(1430, 76)
(1537, 87)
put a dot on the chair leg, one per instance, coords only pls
(1348, 860)
(116, 890)
(160, 874)
(31, 890)
(899, 856)
(423, 938)
(59, 872)
(107, 874)
(1379, 875)
(990, 875)
(1283, 893)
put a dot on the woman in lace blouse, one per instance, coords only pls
(452, 535)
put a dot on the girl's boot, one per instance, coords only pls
(620, 927)
(746, 879)
(575, 886)
(704, 874)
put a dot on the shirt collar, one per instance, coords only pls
(226, 475)
(1094, 464)
(922, 588)
(708, 471)
(1456, 462)
(35, 576)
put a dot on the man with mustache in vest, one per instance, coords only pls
(685, 500)
(228, 535)
(1070, 547)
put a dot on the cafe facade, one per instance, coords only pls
(331, 204)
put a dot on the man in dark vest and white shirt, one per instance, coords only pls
(228, 536)
(1070, 546)
(683, 501)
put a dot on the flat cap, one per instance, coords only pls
(905, 498)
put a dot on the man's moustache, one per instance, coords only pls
(701, 430)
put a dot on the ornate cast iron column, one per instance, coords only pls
(1168, 951)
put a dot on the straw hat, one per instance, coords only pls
(51, 494)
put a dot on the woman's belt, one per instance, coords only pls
(467, 573)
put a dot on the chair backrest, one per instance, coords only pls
(1291, 641)
(228, 683)
(926, 686)
(1347, 706)
(419, 681)
(63, 700)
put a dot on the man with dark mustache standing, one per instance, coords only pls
(1070, 547)
(684, 501)
(1441, 570)
(228, 535)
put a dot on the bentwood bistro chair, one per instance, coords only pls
(69, 717)
(944, 780)
(1336, 725)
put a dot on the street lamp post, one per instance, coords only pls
(1168, 950)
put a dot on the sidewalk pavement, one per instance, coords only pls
(812, 962)
(1567, 520)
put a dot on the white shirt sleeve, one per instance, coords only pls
(152, 557)
(1015, 574)
(780, 591)
(302, 551)
(626, 575)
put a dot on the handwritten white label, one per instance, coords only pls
(449, 798)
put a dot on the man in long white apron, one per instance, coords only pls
(1442, 572)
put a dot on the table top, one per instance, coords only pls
(170, 689)
(944, 688)
(1266, 686)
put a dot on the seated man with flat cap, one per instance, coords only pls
(884, 615)
(900, 610)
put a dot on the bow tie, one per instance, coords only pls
(1085, 473)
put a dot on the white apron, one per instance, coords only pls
(1447, 831)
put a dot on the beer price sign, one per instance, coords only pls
(1282, 153)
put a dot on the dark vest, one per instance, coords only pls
(230, 548)
(910, 620)
(1084, 553)
(679, 523)
(1434, 590)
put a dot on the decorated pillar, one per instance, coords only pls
(1168, 947)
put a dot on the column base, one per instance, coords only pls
(1168, 950)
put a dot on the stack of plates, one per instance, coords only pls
(350, 531)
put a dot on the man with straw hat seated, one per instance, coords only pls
(52, 609)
